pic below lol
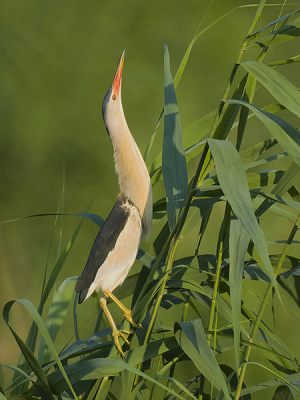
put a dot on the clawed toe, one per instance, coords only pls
(120, 333)
(127, 314)
(126, 332)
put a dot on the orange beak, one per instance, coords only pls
(118, 77)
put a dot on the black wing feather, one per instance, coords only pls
(105, 241)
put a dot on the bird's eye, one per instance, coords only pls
(114, 97)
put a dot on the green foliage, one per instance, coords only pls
(203, 336)
(173, 161)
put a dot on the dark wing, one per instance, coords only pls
(103, 244)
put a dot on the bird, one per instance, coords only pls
(116, 245)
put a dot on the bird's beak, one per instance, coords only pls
(116, 85)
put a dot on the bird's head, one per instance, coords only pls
(112, 109)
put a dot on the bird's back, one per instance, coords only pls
(104, 263)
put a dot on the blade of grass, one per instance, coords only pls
(152, 138)
(275, 210)
(267, 160)
(282, 200)
(177, 383)
(1, 380)
(173, 162)
(192, 134)
(290, 177)
(275, 22)
(233, 181)
(280, 378)
(183, 63)
(230, 114)
(288, 32)
(192, 339)
(103, 389)
(32, 336)
(33, 362)
(254, 180)
(280, 87)
(238, 245)
(251, 154)
(94, 368)
(283, 392)
(284, 62)
(256, 17)
(293, 378)
(198, 206)
(286, 135)
(27, 379)
(56, 315)
(215, 299)
(264, 302)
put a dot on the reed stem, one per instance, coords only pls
(247, 350)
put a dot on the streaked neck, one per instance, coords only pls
(134, 180)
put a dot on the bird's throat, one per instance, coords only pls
(132, 173)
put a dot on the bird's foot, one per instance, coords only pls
(120, 333)
(128, 317)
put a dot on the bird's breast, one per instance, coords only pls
(134, 180)
(120, 259)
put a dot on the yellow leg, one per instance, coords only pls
(127, 313)
(115, 332)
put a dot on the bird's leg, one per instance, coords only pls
(116, 333)
(127, 313)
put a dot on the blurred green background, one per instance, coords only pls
(57, 60)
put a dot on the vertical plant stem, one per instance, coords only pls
(102, 387)
(75, 318)
(174, 236)
(156, 264)
(226, 91)
(235, 67)
(218, 270)
(264, 302)
(169, 383)
(173, 364)
(256, 16)
(201, 387)
(214, 296)
(159, 296)
(92, 390)
(203, 225)
(185, 307)
(99, 319)
(161, 290)
(207, 162)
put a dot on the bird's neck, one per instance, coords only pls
(134, 180)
